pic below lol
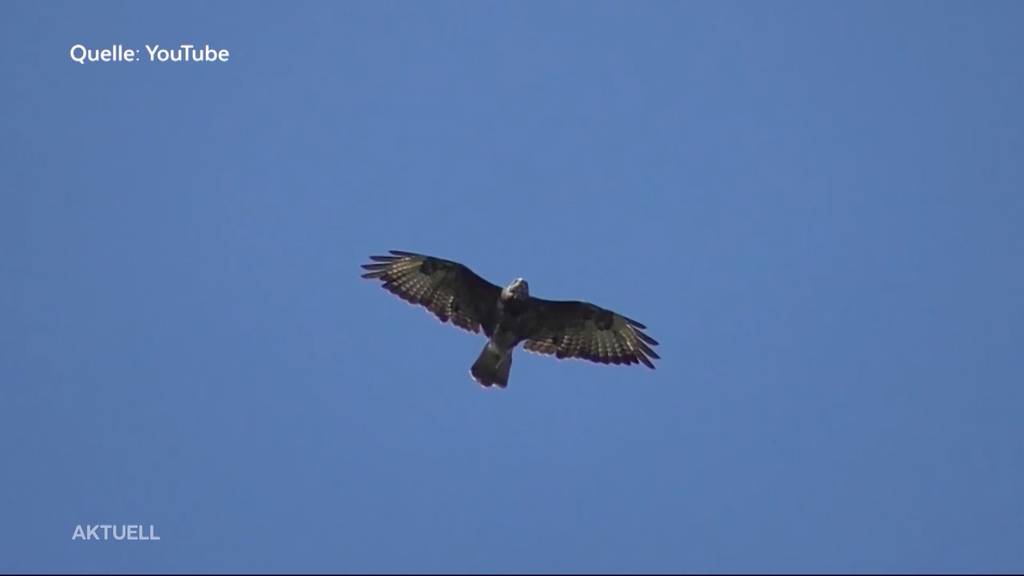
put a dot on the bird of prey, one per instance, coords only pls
(509, 316)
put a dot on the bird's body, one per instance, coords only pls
(495, 360)
(509, 316)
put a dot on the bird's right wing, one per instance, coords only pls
(448, 289)
(583, 330)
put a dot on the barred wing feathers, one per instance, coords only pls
(583, 330)
(449, 290)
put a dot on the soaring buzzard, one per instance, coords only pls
(510, 315)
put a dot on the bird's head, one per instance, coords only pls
(517, 290)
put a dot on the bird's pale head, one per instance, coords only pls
(517, 290)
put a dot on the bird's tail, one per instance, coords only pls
(492, 366)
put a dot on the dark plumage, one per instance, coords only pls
(510, 316)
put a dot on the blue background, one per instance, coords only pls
(815, 207)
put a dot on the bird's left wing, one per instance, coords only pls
(583, 330)
(448, 289)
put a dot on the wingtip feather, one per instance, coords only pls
(645, 338)
(634, 323)
(647, 362)
(404, 253)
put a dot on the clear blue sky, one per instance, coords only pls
(816, 207)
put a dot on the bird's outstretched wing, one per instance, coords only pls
(448, 289)
(583, 330)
